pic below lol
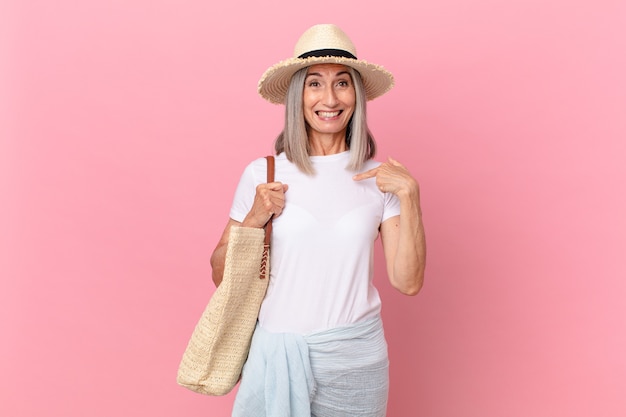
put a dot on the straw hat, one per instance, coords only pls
(323, 44)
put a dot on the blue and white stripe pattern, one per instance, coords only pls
(338, 372)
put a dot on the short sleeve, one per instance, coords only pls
(392, 206)
(254, 174)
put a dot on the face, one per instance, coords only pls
(328, 98)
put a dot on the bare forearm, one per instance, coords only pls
(405, 245)
(218, 257)
(410, 260)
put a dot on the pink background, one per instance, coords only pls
(126, 124)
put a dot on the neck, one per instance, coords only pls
(327, 143)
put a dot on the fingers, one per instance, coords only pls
(394, 162)
(367, 174)
(274, 186)
(277, 205)
(391, 177)
(269, 201)
(272, 198)
(375, 171)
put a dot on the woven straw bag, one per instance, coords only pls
(219, 344)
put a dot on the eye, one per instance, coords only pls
(343, 83)
(314, 84)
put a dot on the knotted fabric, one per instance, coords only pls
(333, 373)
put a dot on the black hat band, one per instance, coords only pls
(328, 52)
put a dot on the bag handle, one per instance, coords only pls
(270, 178)
(268, 226)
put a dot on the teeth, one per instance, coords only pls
(328, 113)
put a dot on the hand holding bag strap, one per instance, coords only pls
(268, 225)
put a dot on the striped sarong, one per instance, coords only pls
(338, 372)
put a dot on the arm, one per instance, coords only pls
(403, 237)
(269, 201)
(218, 257)
(404, 244)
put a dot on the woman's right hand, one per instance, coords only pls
(269, 201)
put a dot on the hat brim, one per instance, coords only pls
(275, 81)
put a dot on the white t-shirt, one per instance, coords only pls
(322, 249)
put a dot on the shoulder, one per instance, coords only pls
(284, 166)
(257, 163)
(256, 170)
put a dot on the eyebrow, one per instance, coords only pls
(319, 75)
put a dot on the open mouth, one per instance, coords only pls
(328, 114)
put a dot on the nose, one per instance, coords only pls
(330, 97)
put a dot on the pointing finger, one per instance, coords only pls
(394, 162)
(367, 174)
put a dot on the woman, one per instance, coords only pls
(319, 347)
